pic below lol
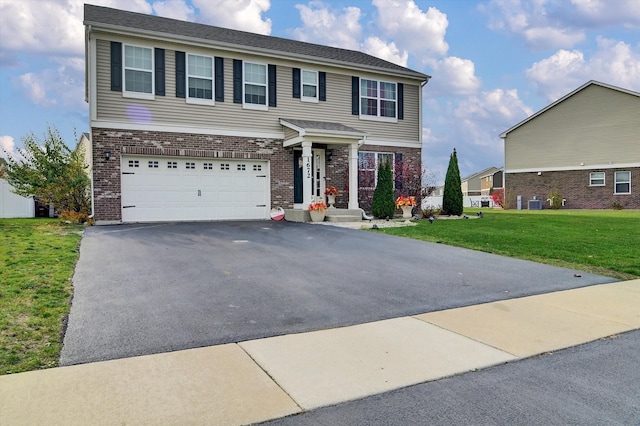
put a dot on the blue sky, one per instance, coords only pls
(492, 62)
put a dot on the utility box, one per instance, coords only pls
(519, 202)
(535, 204)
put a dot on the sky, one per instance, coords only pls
(493, 62)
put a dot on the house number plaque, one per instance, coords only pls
(308, 167)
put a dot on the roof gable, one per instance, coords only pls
(120, 20)
(565, 97)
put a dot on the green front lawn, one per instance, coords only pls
(600, 241)
(37, 259)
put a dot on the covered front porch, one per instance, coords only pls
(314, 144)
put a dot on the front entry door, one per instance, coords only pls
(317, 175)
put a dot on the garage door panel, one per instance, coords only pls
(160, 189)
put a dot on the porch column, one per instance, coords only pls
(307, 174)
(353, 176)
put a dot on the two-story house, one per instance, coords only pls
(195, 122)
(585, 146)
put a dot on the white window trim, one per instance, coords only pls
(259, 107)
(604, 178)
(200, 101)
(378, 99)
(615, 183)
(138, 95)
(377, 166)
(304, 98)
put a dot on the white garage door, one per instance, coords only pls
(174, 189)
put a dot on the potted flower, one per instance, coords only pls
(331, 192)
(406, 204)
(317, 211)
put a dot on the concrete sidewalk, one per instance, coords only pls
(258, 380)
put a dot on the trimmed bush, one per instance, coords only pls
(383, 204)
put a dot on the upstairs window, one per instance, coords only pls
(378, 99)
(622, 183)
(309, 83)
(199, 79)
(255, 85)
(596, 179)
(138, 71)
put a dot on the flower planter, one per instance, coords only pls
(317, 215)
(406, 212)
(332, 200)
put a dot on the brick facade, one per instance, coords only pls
(107, 173)
(573, 186)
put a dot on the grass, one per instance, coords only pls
(37, 259)
(604, 242)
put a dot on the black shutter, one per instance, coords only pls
(272, 85)
(399, 167)
(159, 70)
(355, 96)
(237, 81)
(296, 82)
(322, 76)
(400, 101)
(219, 73)
(181, 75)
(116, 66)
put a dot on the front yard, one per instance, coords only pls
(37, 258)
(604, 242)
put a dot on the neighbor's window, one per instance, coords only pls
(596, 179)
(378, 99)
(200, 79)
(622, 183)
(138, 70)
(255, 85)
(368, 163)
(309, 83)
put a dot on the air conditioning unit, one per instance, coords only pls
(535, 204)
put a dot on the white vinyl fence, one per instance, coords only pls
(12, 205)
(475, 201)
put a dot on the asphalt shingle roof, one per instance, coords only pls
(323, 126)
(137, 22)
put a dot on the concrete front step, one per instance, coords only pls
(332, 215)
(342, 218)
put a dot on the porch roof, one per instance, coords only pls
(321, 129)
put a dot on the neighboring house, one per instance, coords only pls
(473, 185)
(490, 181)
(585, 146)
(194, 122)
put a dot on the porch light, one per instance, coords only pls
(107, 154)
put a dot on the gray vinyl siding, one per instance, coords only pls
(171, 111)
(596, 126)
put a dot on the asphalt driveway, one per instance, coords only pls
(143, 289)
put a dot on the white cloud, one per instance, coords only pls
(50, 26)
(453, 76)
(175, 9)
(472, 125)
(387, 51)
(245, 15)
(8, 147)
(615, 62)
(411, 28)
(538, 23)
(62, 86)
(323, 26)
(602, 13)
